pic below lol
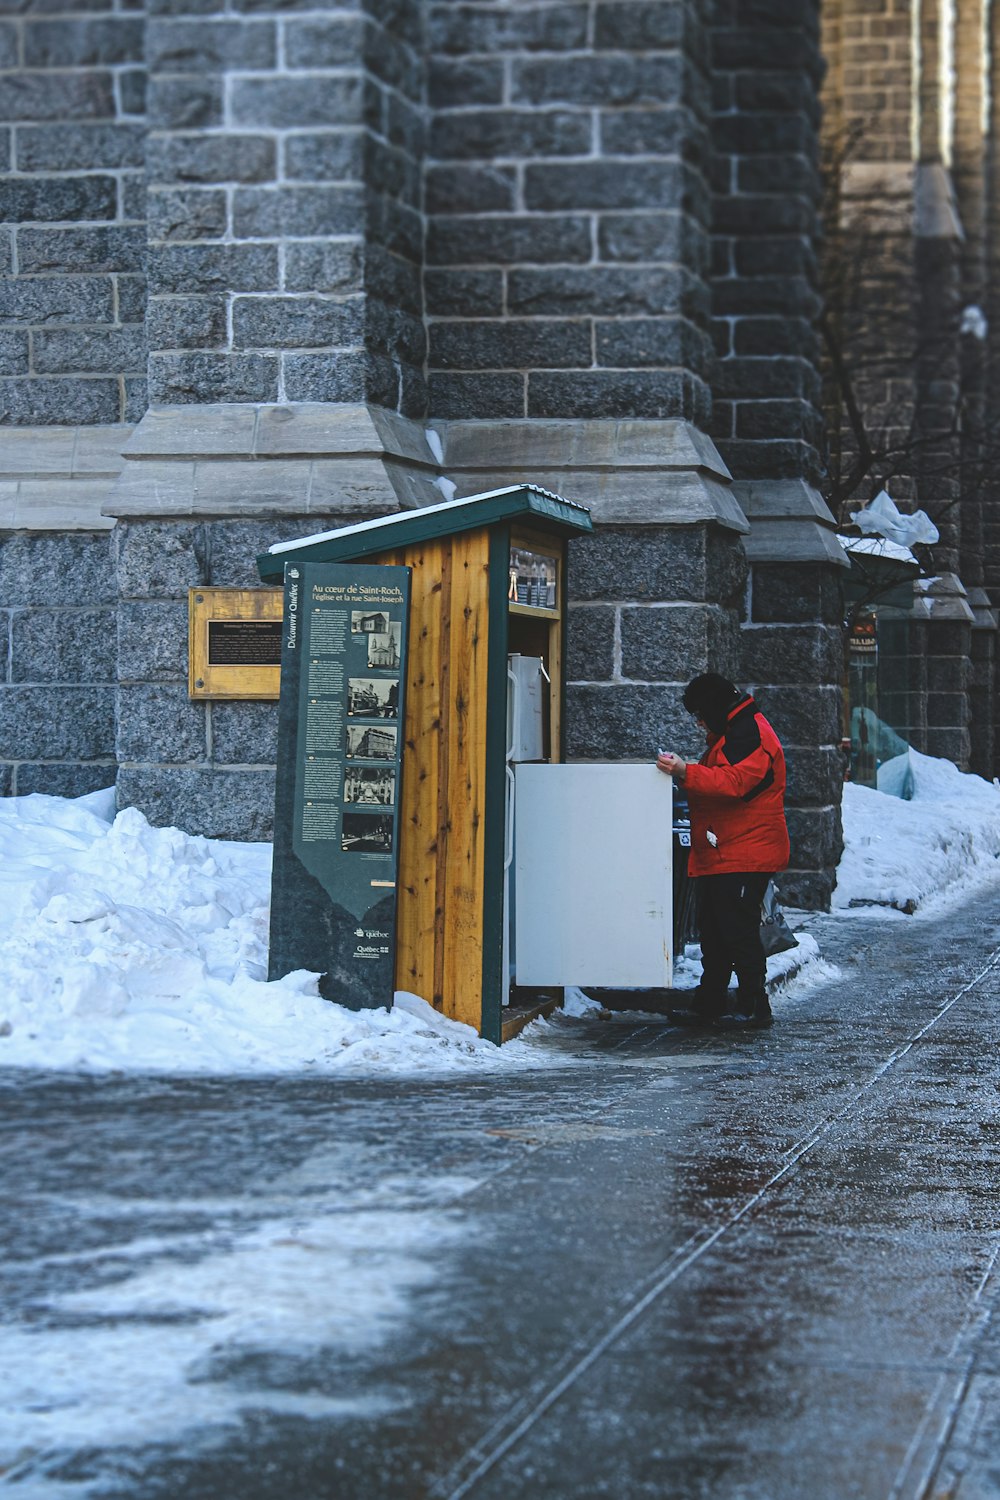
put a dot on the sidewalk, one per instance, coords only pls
(661, 1265)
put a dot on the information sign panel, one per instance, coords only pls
(333, 891)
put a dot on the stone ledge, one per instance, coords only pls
(58, 478)
(241, 460)
(632, 473)
(789, 522)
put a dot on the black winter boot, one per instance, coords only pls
(739, 1017)
(703, 1010)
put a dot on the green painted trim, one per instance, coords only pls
(494, 819)
(353, 543)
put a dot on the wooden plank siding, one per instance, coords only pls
(444, 783)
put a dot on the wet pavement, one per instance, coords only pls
(669, 1265)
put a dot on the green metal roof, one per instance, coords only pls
(540, 507)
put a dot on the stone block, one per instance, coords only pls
(590, 291)
(136, 399)
(186, 214)
(159, 559)
(31, 401)
(726, 571)
(560, 187)
(244, 734)
(647, 26)
(464, 294)
(313, 42)
(815, 776)
(393, 279)
(636, 342)
(158, 722)
(56, 723)
(25, 200)
(80, 96)
(186, 322)
(298, 212)
(802, 715)
(185, 103)
(99, 247)
(615, 393)
(454, 82)
(664, 643)
(597, 81)
(807, 890)
(193, 378)
(192, 269)
(504, 241)
(792, 653)
(947, 710)
(590, 643)
(216, 804)
(13, 352)
(63, 780)
(233, 547)
(131, 299)
(84, 42)
(229, 157)
(6, 781)
(509, 344)
(625, 721)
(296, 322)
(485, 134)
(471, 190)
(326, 377)
(462, 29)
(803, 593)
(648, 564)
(475, 395)
(815, 836)
(669, 236)
(112, 351)
(332, 268)
(297, 103)
(62, 645)
(132, 91)
(56, 568)
(196, 45)
(324, 156)
(153, 642)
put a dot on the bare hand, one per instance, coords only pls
(671, 765)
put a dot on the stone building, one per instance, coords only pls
(277, 265)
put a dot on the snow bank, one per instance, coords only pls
(923, 854)
(127, 946)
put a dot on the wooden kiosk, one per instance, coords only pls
(487, 581)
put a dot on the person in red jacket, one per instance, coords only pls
(736, 797)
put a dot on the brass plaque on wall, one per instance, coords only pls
(234, 643)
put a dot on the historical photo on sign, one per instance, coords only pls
(373, 697)
(369, 786)
(365, 622)
(371, 742)
(366, 833)
(383, 648)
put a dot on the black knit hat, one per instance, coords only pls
(712, 698)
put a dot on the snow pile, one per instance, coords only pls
(922, 854)
(123, 945)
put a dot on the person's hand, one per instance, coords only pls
(671, 765)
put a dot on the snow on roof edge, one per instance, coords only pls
(419, 510)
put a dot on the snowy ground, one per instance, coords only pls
(128, 947)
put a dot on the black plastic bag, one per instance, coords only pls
(775, 934)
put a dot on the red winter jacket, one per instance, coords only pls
(737, 793)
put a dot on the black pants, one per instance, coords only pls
(729, 926)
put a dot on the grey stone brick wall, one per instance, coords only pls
(284, 203)
(72, 292)
(567, 206)
(57, 710)
(765, 130)
(208, 767)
